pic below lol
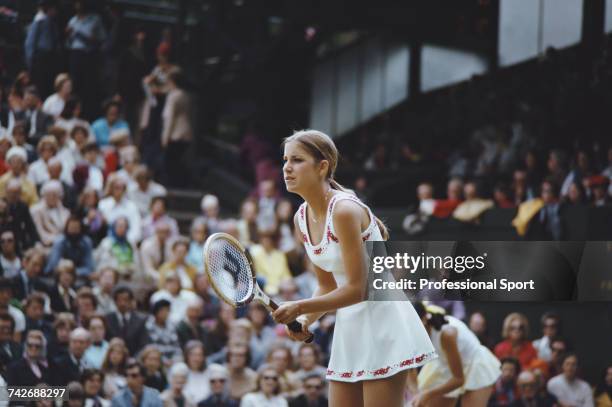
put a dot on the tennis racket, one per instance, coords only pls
(230, 272)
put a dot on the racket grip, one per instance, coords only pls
(295, 326)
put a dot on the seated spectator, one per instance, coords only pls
(247, 225)
(197, 387)
(281, 359)
(104, 126)
(178, 298)
(94, 355)
(503, 196)
(118, 252)
(33, 368)
(54, 104)
(144, 189)
(557, 166)
(196, 245)
(73, 245)
(474, 204)
(309, 357)
(126, 323)
(175, 395)
(179, 265)
(116, 204)
(415, 222)
(129, 159)
(119, 139)
(567, 387)
(515, 344)
(69, 367)
(10, 263)
(37, 171)
(20, 138)
(151, 359)
(87, 304)
(6, 293)
(136, 393)
(155, 250)
(243, 379)
(546, 225)
(55, 168)
(65, 152)
(267, 392)
(270, 263)
(190, 327)
(576, 195)
(17, 217)
(314, 395)
(210, 213)
(113, 367)
(95, 177)
(63, 296)
(218, 377)
(80, 136)
(218, 333)
(443, 208)
(69, 119)
(34, 309)
(92, 380)
(506, 391)
(17, 159)
(62, 326)
(212, 303)
(286, 226)
(50, 215)
(307, 281)
(263, 335)
(37, 121)
(93, 221)
(529, 395)
(10, 350)
(478, 324)
(550, 329)
(107, 279)
(598, 185)
(5, 145)
(603, 390)
(161, 332)
(158, 214)
(288, 290)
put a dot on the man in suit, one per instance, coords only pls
(18, 217)
(36, 121)
(218, 376)
(125, 322)
(69, 367)
(10, 351)
(28, 280)
(313, 393)
(136, 394)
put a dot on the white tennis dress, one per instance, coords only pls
(372, 339)
(480, 367)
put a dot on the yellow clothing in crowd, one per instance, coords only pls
(272, 266)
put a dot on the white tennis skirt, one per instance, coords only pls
(377, 339)
(481, 371)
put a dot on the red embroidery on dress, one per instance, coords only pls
(366, 237)
(406, 362)
(302, 211)
(304, 238)
(346, 375)
(317, 251)
(331, 236)
(360, 373)
(381, 371)
(420, 358)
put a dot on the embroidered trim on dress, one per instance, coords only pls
(412, 362)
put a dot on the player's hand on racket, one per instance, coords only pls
(287, 312)
(299, 336)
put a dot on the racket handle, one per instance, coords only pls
(296, 327)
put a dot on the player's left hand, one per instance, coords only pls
(287, 312)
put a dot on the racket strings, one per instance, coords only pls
(230, 270)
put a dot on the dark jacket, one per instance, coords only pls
(301, 401)
(215, 401)
(9, 352)
(79, 251)
(23, 226)
(57, 302)
(134, 334)
(21, 290)
(20, 374)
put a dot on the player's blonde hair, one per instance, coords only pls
(321, 147)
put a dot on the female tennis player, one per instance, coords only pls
(465, 367)
(374, 343)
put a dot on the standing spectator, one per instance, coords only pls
(104, 126)
(118, 252)
(92, 380)
(126, 323)
(116, 204)
(218, 377)
(267, 392)
(42, 46)
(113, 367)
(85, 35)
(175, 395)
(196, 245)
(63, 296)
(506, 391)
(17, 216)
(157, 214)
(568, 388)
(36, 120)
(550, 329)
(50, 215)
(69, 367)
(28, 279)
(17, 159)
(197, 387)
(529, 395)
(136, 394)
(161, 332)
(32, 369)
(177, 132)
(603, 390)
(6, 293)
(10, 350)
(10, 263)
(73, 245)
(54, 104)
(178, 265)
(151, 359)
(94, 355)
(515, 344)
(313, 392)
(242, 378)
(144, 189)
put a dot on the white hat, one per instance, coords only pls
(216, 371)
(17, 151)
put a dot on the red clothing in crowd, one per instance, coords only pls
(525, 354)
(445, 207)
